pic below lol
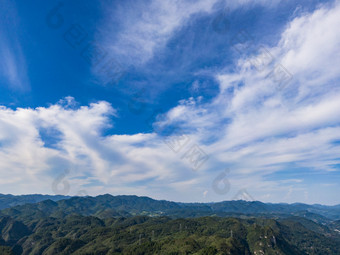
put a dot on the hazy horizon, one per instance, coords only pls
(175, 201)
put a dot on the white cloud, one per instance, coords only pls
(145, 26)
(265, 129)
(95, 162)
(250, 127)
(308, 49)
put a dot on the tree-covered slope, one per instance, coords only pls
(107, 225)
(163, 235)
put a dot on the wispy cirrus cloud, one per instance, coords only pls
(262, 129)
(13, 68)
(134, 31)
(144, 26)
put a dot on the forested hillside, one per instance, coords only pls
(77, 234)
(140, 225)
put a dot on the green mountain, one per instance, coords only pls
(111, 206)
(7, 201)
(163, 235)
(140, 225)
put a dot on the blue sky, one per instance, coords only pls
(180, 100)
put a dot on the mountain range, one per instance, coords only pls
(133, 205)
(107, 224)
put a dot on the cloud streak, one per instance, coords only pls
(13, 68)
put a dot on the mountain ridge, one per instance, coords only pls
(129, 224)
(125, 205)
(9, 200)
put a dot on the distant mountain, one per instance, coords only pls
(105, 206)
(7, 201)
(332, 212)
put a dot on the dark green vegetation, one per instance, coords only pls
(7, 201)
(132, 205)
(77, 234)
(140, 225)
